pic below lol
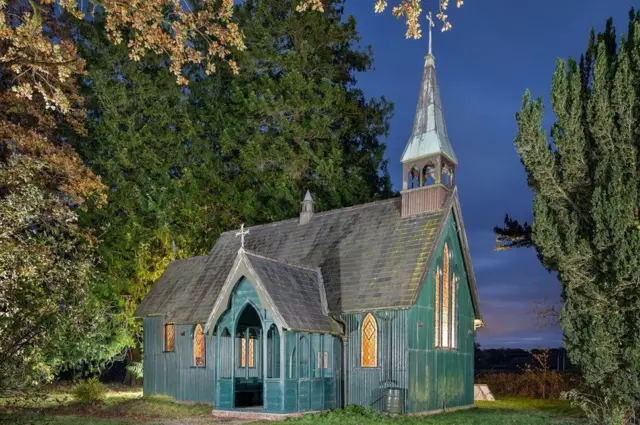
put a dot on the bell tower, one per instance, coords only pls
(428, 160)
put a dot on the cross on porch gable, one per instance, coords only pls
(241, 233)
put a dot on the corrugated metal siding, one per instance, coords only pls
(316, 387)
(243, 293)
(285, 392)
(441, 377)
(194, 383)
(173, 373)
(366, 385)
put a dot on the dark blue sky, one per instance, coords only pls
(496, 50)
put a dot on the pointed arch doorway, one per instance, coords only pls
(249, 378)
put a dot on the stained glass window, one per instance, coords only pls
(243, 352)
(169, 337)
(445, 304)
(198, 346)
(251, 353)
(454, 310)
(446, 298)
(369, 354)
(437, 302)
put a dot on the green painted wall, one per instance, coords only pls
(366, 385)
(406, 356)
(292, 379)
(311, 383)
(228, 359)
(173, 373)
(437, 376)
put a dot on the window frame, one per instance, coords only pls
(203, 346)
(450, 340)
(166, 326)
(369, 318)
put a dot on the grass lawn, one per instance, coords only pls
(124, 406)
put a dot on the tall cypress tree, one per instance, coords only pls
(586, 185)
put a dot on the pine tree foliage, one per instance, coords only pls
(586, 184)
(183, 165)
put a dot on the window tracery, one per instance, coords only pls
(446, 302)
(169, 337)
(198, 346)
(369, 344)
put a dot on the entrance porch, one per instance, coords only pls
(262, 368)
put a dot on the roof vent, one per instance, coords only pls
(307, 209)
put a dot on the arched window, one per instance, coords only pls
(273, 352)
(226, 361)
(304, 357)
(198, 346)
(454, 310)
(428, 175)
(369, 336)
(446, 297)
(437, 304)
(445, 302)
(169, 337)
(413, 177)
(252, 348)
(447, 176)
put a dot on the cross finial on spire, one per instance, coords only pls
(431, 25)
(241, 233)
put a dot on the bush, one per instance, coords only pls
(89, 391)
(136, 369)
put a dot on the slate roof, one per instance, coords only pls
(167, 294)
(370, 259)
(429, 135)
(297, 292)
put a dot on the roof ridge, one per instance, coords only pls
(282, 261)
(195, 257)
(323, 213)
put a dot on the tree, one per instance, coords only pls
(44, 181)
(586, 185)
(183, 165)
(47, 311)
(294, 119)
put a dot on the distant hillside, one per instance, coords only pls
(515, 359)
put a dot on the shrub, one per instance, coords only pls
(89, 391)
(136, 369)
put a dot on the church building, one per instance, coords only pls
(374, 305)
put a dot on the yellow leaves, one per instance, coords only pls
(314, 5)
(175, 34)
(411, 10)
(23, 90)
(380, 6)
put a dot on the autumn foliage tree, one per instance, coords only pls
(586, 185)
(48, 312)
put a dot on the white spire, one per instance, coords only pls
(429, 135)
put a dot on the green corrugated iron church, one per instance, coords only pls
(374, 305)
